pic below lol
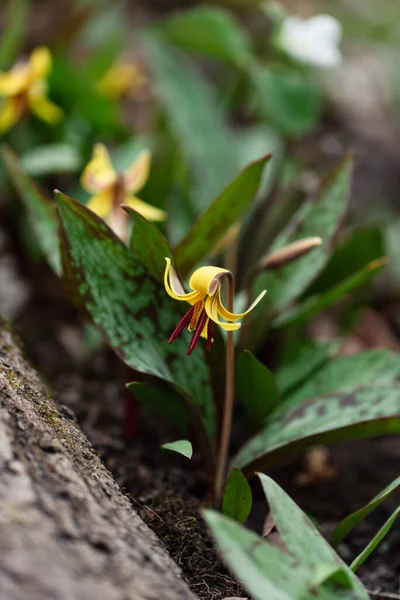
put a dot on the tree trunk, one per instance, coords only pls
(66, 531)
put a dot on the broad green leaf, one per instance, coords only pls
(345, 526)
(255, 387)
(265, 571)
(287, 98)
(215, 221)
(40, 208)
(131, 308)
(303, 540)
(299, 361)
(376, 540)
(195, 118)
(13, 32)
(149, 245)
(52, 158)
(183, 447)
(211, 32)
(356, 251)
(342, 374)
(237, 498)
(321, 216)
(362, 413)
(304, 311)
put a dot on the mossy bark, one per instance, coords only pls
(66, 530)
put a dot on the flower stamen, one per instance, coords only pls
(198, 331)
(181, 325)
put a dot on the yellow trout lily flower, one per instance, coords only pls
(25, 87)
(123, 77)
(206, 304)
(112, 188)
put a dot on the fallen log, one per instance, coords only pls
(66, 530)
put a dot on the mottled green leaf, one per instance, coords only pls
(316, 304)
(215, 221)
(211, 32)
(345, 526)
(356, 251)
(268, 573)
(255, 387)
(287, 98)
(237, 498)
(376, 540)
(40, 208)
(362, 413)
(321, 216)
(299, 360)
(130, 307)
(342, 374)
(183, 447)
(195, 117)
(304, 542)
(149, 244)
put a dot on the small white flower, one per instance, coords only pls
(314, 41)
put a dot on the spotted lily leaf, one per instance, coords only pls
(195, 117)
(227, 208)
(305, 543)
(268, 572)
(363, 412)
(211, 32)
(149, 245)
(40, 208)
(345, 526)
(321, 217)
(129, 306)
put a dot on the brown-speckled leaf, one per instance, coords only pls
(360, 413)
(130, 307)
(40, 208)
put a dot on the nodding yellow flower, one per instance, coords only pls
(123, 77)
(112, 188)
(206, 304)
(25, 87)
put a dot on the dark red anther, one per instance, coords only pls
(210, 329)
(181, 325)
(197, 332)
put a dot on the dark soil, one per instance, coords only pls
(169, 491)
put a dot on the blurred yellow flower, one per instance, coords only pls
(25, 87)
(205, 298)
(121, 78)
(112, 188)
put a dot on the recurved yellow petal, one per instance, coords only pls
(212, 310)
(149, 212)
(99, 172)
(207, 279)
(229, 316)
(122, 77)
(44, 108)
(9, 114)
(15, 81)
(40, 62)
(138, 173)
(174, 288)
(101, 203)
